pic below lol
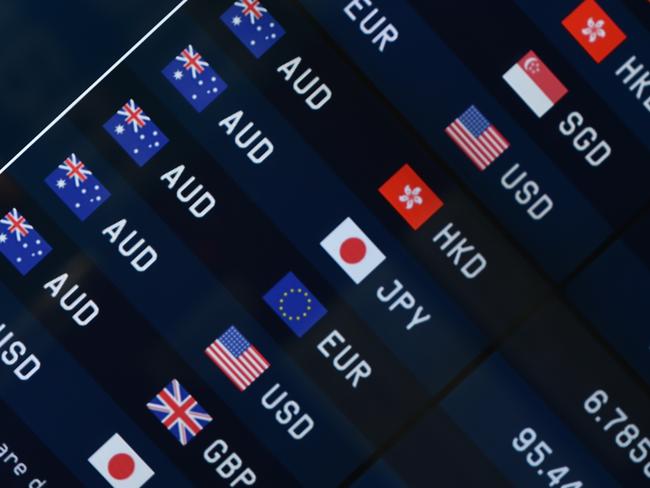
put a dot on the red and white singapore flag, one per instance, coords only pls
(352, 250)
(531, 79)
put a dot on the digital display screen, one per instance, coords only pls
(368, 243)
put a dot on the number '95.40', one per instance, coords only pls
(537, 454)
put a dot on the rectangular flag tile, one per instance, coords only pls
(594, 30)
(237, 358)
(535, 84)
(77, 187)
(353, 250)
(20, 243)
(475, 135)
(295, 304)
(120, 465)
(179, 412)
(194, 79)
(253, 25)
(136, 133)
(410, 196)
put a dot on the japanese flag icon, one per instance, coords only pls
(120, 465)
(352, 250)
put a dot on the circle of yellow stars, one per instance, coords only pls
(293, 291)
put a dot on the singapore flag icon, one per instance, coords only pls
(352, 250)
(120, 465)
(535, 83)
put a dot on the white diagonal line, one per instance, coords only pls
(93, 86)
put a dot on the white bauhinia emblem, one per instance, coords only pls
(594, 29)
(411, 196)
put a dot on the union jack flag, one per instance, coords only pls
(75, 170)
(17, 224)
(133, 115)
(192, 61)
(77, 187)
(193, 77)
(237, 358)
(136, 133)
(179, 412)
(260, 32)
(251, 8)
(23, 247)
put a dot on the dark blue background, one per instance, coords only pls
(52, 51)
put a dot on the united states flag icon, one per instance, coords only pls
(477, 138)
(237, 358)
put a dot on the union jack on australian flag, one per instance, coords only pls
(136, 133)
(193, 77)
(253, 25)
(179, 412)
(77, 187)
(23, 247)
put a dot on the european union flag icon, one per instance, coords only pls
(136, 133)
(193, 77)
(295, 304)
(253, 25)
(23, 247)
(77, 187)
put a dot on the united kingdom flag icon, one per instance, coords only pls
(194, 78)
(23, 247)
(179, 412)
(136, 133)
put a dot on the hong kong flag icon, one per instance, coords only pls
(352, 250)
(120, 465)
(410, 196)
(594, 30)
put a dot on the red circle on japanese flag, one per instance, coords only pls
(353, 250)
(121, 466)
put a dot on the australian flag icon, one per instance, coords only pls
(295, 304)
(23, 247)
(77, 187)
(253, 25)
(136, 133)
(193, 77)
